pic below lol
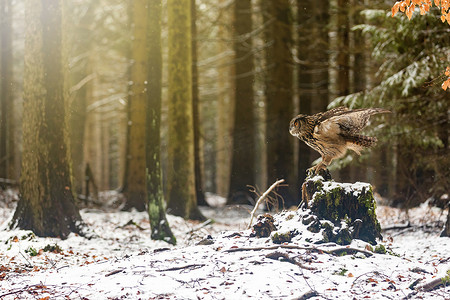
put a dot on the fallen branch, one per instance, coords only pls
(276, 256)
(308, 295)
(195, 266)
(263, 196)
(336, 251)
(429, 286)
(114, 272)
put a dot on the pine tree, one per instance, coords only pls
(181, 175)
(46, 205)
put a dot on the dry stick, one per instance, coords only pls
(263, 196)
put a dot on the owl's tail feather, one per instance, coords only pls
(362, 140)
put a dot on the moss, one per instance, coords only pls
(31, 251)
(446, 279)
(53, 248)
(380, 249)
(285, 237)
(341, 272)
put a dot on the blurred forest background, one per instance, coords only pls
(253, 65)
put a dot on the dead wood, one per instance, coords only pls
(277, 255)
(263, 196)
(337, 251)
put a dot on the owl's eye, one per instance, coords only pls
(296, 124)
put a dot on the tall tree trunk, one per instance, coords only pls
(135, 194)
(313, 54)
(181, 172)
(305, 17)
(155, 194)
(279, 97)
(224, 109)
(46, 204)
(321, 55)
(6, 93)
(198, 153)
(358, 171)
(243, 160)
(343, 63)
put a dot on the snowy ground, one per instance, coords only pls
(123, 263)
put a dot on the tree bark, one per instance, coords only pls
(243, 154)
(46, 204)
(155, 195)
(181, 172)
(136, 190)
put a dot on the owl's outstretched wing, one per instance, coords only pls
(351, 122)
(331, 113)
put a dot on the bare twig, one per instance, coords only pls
(263, 196)
(204, 224)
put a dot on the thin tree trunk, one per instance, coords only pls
(46, 204)
(243, 155)
(198, 153)
(279, 97)
(306, 20)
(358, 171)
(224, 111)
(155, 195)
(343, 63)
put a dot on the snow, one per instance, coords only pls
(124, 263)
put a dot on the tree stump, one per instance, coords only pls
(349, 209)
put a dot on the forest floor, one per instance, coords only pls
(122, 262)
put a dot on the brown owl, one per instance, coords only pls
(332, 132)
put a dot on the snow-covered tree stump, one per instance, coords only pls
(342, 211)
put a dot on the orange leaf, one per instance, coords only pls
(436, 2)
(446, 84)
(409, 12)
(395, 8)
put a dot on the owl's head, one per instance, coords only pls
(296, 124)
